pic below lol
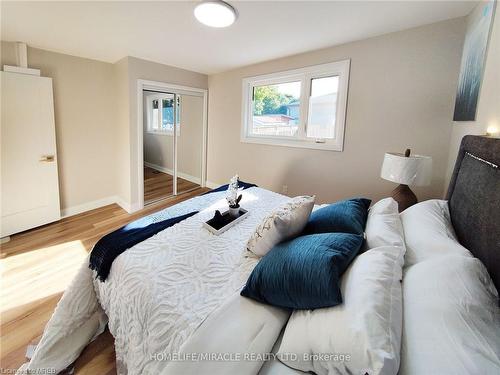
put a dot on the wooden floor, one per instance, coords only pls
(159, 185)
(37, 265)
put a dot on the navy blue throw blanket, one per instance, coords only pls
(113, 244)
(107, 249)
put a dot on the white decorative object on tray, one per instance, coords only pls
(232, 197)
(243, 214)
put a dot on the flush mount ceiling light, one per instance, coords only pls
(215, 13)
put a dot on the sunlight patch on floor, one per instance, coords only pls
(31, 276)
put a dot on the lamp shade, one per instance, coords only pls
(412, 170)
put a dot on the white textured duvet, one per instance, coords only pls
(159, 291)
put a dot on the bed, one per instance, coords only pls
(176, 294)
(452, 268)
(474, 200)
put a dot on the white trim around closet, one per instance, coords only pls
(139, 157)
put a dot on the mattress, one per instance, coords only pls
(161, 290)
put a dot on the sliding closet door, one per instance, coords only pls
(173, 142)
(189, 142)
(158, 146)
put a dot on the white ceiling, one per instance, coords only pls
(167, 32)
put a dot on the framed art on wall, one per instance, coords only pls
(473, 58)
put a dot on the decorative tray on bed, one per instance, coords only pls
(224, 222)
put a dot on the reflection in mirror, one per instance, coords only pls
(163, 158)
(190, 143)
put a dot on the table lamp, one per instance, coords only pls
(406, 170)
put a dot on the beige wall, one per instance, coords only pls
(123, 134)
(84, 106)
(488, 110)
(401, 94)
(95, 114)
(158, 148)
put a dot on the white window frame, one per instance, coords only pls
(304, 75)
(149, 115)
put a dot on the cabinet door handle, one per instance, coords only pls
(47, 158)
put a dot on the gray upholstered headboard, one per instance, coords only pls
(474, 200)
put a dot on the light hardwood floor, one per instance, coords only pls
(37, 265)
(159, 185)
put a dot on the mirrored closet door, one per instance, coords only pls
(172, 143)
(189, 142)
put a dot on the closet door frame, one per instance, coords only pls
(138, 200)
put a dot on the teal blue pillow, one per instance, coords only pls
(303, 273)
(347, 216)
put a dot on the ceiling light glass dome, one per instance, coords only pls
(215, 13)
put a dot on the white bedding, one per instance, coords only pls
(452, 318)
(159, 291)
(429, 232)
(242, 328)
(366, 327)
(451, 314)
(177, 293)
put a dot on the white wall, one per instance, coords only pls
(401, 94)
(488, 110)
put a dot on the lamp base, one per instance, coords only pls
(404, 196)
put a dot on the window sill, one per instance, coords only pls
(164, 133)
(327, 146)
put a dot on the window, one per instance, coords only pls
(160, 113)
(298, 108)
(275, 109)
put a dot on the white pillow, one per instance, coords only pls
(366, 326)
(240, 325)
(316, 207)
(428, 232)
(452, 318)
(383, 226)
(284, 223)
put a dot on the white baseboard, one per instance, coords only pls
(134, 207)
(158, 167)
(193, 179)
(130, 208)
(212, 185)
(75, 210)
(125, 205)
(185, 176)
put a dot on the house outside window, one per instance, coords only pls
(297, 108)
(160, 113)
